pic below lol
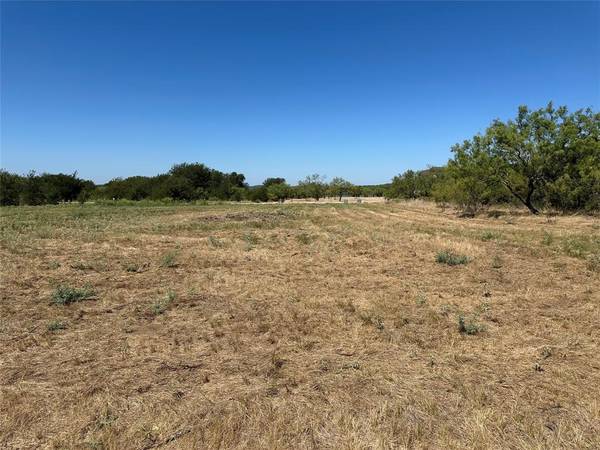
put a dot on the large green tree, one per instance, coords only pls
(313, 186)
(338, 187)
(537, 152)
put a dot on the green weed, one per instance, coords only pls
(451, 258)
(65, 295)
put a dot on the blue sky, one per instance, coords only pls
(359, 90)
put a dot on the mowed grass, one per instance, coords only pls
(297, 326)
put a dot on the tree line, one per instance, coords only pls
(184, 182)
(545, 158)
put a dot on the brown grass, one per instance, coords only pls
(298, 326)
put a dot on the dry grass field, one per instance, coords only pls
(298, 326)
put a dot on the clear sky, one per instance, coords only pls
(359, 90)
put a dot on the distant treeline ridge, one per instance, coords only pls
(547, 158)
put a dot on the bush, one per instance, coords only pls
(169, 260)
(65, 295)
(451, 258)
(490, 235)
(161, 305)
(304, 238)
(56, 325)
(469, 326)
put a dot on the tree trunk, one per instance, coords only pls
(527, 200)
(531, 208)
(530, 189)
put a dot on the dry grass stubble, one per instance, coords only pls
(297, 326)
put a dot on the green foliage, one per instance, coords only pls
(451, 258)
(65, 295)
(251, 241)
(542, 157)
(215, 242)
(304, 238)
(490, 235)
(338, 187)
(135, 266)
(186, 181)
(34, 189)
(469, 326)
(313, 186)
(545, 158)
(258, 194)
(56, 325)
(162, 304)
(413, 184)
(169, 260)
(272, 181)
(547, 239)
(11, 186)
(278, 192)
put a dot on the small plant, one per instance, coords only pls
(106, 418)
(372, 319)
(546, 352)
(346, 306)
(169, 260)
(547, 239)
(490, 235)
(496, 262)
(451, 258)
(56, 325)
(593, 263)
(576, 247)
(82, 265)
(134, 267)
(251, 240)
(161, 305)
(469, 327)
(304, 238)
(484, 306)
(445, 310)
(65, 295)
(378, 322)
(421, 299)
(215, 242)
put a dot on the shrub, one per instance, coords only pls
(134, 267)
(251, 240)
(489, 235)
(576, 246)
(215, 242)
(56, 325)
(547, 239)
(304, 238)
(451, 258)
(469, 326)
(65, 295)
(161, 305)
(169, 260)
